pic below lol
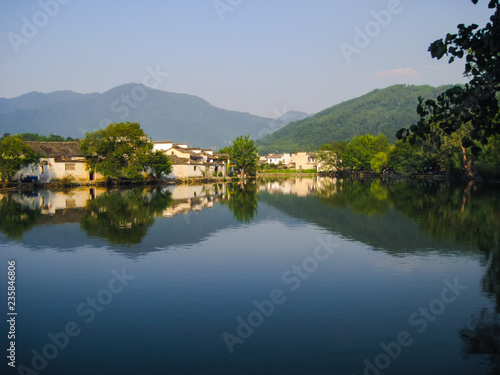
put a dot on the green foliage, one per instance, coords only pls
(43, 138)
(427, 155)
(361, 150)
(123, 217)
(367, 197)
(488, 164)
(337, 147)
(225, 150)
(16, 219)
(382, 111)
(405, 158)
(242, 200)
(159, 164)
(120, 150)
(379, 162)
(475, 103)
(244, 155)
(14, 155)
(328, 160)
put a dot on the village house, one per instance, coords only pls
(300, 160)
(304, 160)
(191, 162)
(58, 160)
(278, 159)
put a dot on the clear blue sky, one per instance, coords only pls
(258, 56)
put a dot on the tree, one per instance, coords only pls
(120, 150)
(242, 201)
(405, 158)
(475, 102)
(159, 164)
(328, 161)
(244, 155)
(124, 217)
(225, 150)
(361, 150)
(15, 218)
(379, 161)
(337, 147)
(42, 138)
(14, 155)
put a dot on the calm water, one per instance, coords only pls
(280, 277)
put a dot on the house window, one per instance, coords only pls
(70, 167)
(194, 168)
(70, 203)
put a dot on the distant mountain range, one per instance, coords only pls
(382, 111)
(162, 115)
(187, 118)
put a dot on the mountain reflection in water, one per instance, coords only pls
(397, 217)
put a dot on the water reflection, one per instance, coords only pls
(482, 338)
(242, 201)
(363, 210)
(465, 215)
(124, 217)
(16, 218)
(397, 217)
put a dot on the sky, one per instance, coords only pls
(264, 57)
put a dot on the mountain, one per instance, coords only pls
(163, 115)
(279, 122)
(382, 111)
(34, 100)
(292, 116)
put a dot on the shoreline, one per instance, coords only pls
(30, 186)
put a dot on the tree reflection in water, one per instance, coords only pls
(242, 200)
(15, 218)
(466, 214)
(124, 217)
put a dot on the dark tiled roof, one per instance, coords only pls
(177, 160)
(53, 149)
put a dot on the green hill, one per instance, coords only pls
(382, 111)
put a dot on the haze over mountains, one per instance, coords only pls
(187, 118)
(162, 115)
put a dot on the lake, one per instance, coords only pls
(281, 276)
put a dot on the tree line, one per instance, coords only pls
(370, 153)
(122, 150)
(459, 131)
